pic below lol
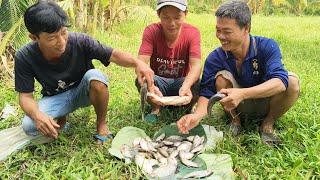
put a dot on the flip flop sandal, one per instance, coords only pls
(103, 139)
(234, 129)
(270, 139)
(151, 118)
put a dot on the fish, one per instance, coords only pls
(146, 145)
(189, 163)
(185, 146)
(213, 100)
(185, 155)
(166, 170)
(174, 153)
(196, 141)
(163, 152)
(198, 174)
(127, 151)
(198, 148)
(161, 137)
(143, 98)
(145, 164)
(174, 139)
(176, 144)
(190, 138)
(169, 143)
(136, 142)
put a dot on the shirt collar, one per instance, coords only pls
(251, 53)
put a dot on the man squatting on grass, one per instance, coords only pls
(248, 69)
(172, 47)
(62, 63)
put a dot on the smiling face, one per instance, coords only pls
(52, 45)
(171, 19)
(230, 35)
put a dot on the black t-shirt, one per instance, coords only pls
(63, 75)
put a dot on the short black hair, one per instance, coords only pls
(45, 16)
(237, 10)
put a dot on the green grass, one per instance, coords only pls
(75, 156)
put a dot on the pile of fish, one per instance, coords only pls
(159, 158)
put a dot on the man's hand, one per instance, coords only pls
(185, 92)
(46, 125)
(233, 98)
(145, 73)
(188, 122)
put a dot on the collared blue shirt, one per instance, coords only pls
(263, 62)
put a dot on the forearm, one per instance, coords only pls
(193, 76)
(201, 109)
(123, 59)
(267, 89)
(29, 106)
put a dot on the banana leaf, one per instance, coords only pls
(125, 136)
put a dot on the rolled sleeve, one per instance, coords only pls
(274, 66)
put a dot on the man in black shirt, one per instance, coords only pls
(62, 63)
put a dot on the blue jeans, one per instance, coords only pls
(64, 103)
(171, 87)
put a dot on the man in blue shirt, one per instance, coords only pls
(249, 71)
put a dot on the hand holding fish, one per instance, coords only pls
(185, 92)
(233, 98)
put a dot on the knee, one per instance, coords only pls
(29, 126)
(293, 86)
(222, 82)
(98, 86)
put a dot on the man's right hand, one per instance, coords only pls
(46, 125)
(188, 122)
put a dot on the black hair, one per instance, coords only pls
(237, 10)
(45, 16)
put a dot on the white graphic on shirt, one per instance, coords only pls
(163, 70)
(63, 85)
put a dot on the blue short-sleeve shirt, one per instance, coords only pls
(263, 62)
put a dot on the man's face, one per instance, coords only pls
(229, 33)
(53, 44)
(171, 20)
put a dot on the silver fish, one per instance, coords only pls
(168, 143)
(190, 138)
(198, 174)
(143, 98)
(185, 155)
(196, 141)
(174, 153)
(146, 145)
(189, 163)
(176, 144)
(167, 170)
(127, 151)
(212, 101)
(145, 164)
(174, 138)
(198, 148)
(161, 137)
(136, 142)
(163, 152)
(185, 146)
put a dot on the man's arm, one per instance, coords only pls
(192, 77)
(44, 123)
(236, 95)
(189, 121)
(127, 60)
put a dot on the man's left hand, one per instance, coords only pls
(233, 98)
(185, 92)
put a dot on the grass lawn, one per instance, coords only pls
(75, 156)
